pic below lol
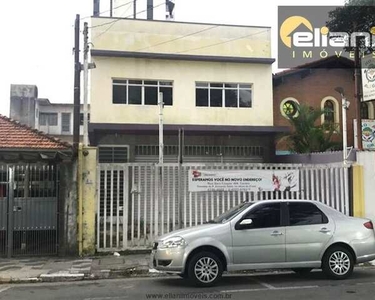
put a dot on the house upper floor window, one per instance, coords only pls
(141, 92)
(48, 119)
(223, 95)
(65, 122)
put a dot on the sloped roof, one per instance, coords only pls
(333, 61)
(14, 135)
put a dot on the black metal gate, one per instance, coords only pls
(28, 209)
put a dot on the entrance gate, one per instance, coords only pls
(28, 209)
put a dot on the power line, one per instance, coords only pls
(102, 12)
(220, 43)
(179, 38)
(100, 34)
(115, 21)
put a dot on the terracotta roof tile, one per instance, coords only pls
(14, 135)
(316, 64)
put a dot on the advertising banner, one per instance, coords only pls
(243, 180)
(368, 134)
(368, 77)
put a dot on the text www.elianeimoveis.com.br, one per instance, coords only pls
(189, 296)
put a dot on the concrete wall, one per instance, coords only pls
(89, 197)
(68, 209)
(315, 158)
(22, 103)
(224, 40)
(367, 160)
(184, 74)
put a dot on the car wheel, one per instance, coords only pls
(182, 275)
(205, 269)
(302, 271)
(338, 263)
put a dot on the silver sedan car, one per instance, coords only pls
(275, 234)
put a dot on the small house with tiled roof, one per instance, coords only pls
(20, 142)
(37, 215)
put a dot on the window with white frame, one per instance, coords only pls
(65, 122)
(48, 119)
(289, 107)
(331, 115)
(141, 92)
(223, 95)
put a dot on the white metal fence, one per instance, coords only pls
(138, 202)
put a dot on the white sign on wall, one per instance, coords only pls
(243, 180)
(368, 77)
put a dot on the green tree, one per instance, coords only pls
(306, 135)
(354, 16)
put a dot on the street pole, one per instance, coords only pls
(135, 9)
(357, 79)
(85, 85)
(344, 130)
(77, 88)
(161, 161)
(161, 135)
(344, 107)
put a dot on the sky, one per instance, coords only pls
(38, 36)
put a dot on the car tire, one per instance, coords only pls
(338, 263)
(205, 269)
(302, 271)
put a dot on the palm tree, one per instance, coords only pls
(306, 136)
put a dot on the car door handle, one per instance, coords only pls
(276, 233)
(324, 230)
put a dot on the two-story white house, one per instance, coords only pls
(216, 82)
(55, 119)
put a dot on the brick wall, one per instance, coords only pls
(311, 87)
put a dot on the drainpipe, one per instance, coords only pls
(80, 199)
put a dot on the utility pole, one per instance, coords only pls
(86, 67)
(358, 83)
(135, 9)
(85, 84)
(77, 88)
(358, 96)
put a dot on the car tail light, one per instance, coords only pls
(368, 225)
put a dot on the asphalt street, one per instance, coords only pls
(267, 286)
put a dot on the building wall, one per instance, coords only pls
(143, 35)
(133, 140)
(184, 74)
(59, 109)
(22, 103)
(311, 90)
(366, 159)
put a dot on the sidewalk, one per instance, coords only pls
(65, 269)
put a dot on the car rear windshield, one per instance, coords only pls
(229, 214)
